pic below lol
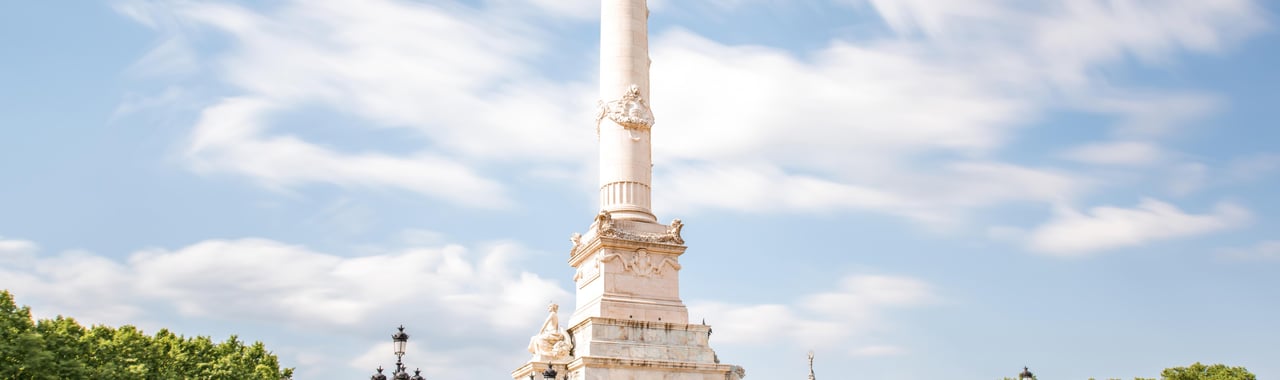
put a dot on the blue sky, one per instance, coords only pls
(913, 189)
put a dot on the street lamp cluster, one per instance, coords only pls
(400, 340)
(398, 343)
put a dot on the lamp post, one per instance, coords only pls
(399, 341)
(1026, 374)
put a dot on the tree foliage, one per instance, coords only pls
(1199, 371)
(60, 348)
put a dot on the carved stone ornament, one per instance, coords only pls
(588, 270)
(630, 111)
(551, 343)
(641, 263)
(576, 238)
(604, 222)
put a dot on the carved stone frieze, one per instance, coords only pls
(641, 262)
(588, 270)
(631, 111)
(607, 228)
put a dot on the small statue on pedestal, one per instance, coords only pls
(551, 344)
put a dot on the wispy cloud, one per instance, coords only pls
(912, 125)
(17, 251)
(246, 278)
(857, 307)
(1262, 251)
(296, 289)
(900, 125)
(1062, 40)
(1073, 233)
(1125, 153)
(453, 75)
(1253, 167)
(229, 137)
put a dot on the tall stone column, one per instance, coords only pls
(629, 322)
(624, 118)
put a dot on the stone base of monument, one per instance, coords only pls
(614, 349)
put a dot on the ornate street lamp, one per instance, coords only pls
(1026, 374)
(399, 341)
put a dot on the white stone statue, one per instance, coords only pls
(551, 343)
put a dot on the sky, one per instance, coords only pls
(912, 189)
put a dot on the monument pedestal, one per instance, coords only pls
(614, 349)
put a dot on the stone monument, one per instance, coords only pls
(629, 323)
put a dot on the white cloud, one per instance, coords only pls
(17, 251)
(1072, 233)
(901, 125)
(455, 76)
(466, 308)
(265, 280)
(1145, 114)
(1126, 153)
(1190, 177)
(227, 138)
(462, 307)
(858, 307)
(1062, 40)
(937, 198)
(861, 103)
(291, 283)
(86, 286)
(908, 126)
(1265, 250)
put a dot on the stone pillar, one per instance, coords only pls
(629, 323)
(624, 119)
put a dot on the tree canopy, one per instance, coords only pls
(1199, 371)
(60, 348)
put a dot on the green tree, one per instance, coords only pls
(22, 352)
(60, 348)
(63, 338)
(1199, 371)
